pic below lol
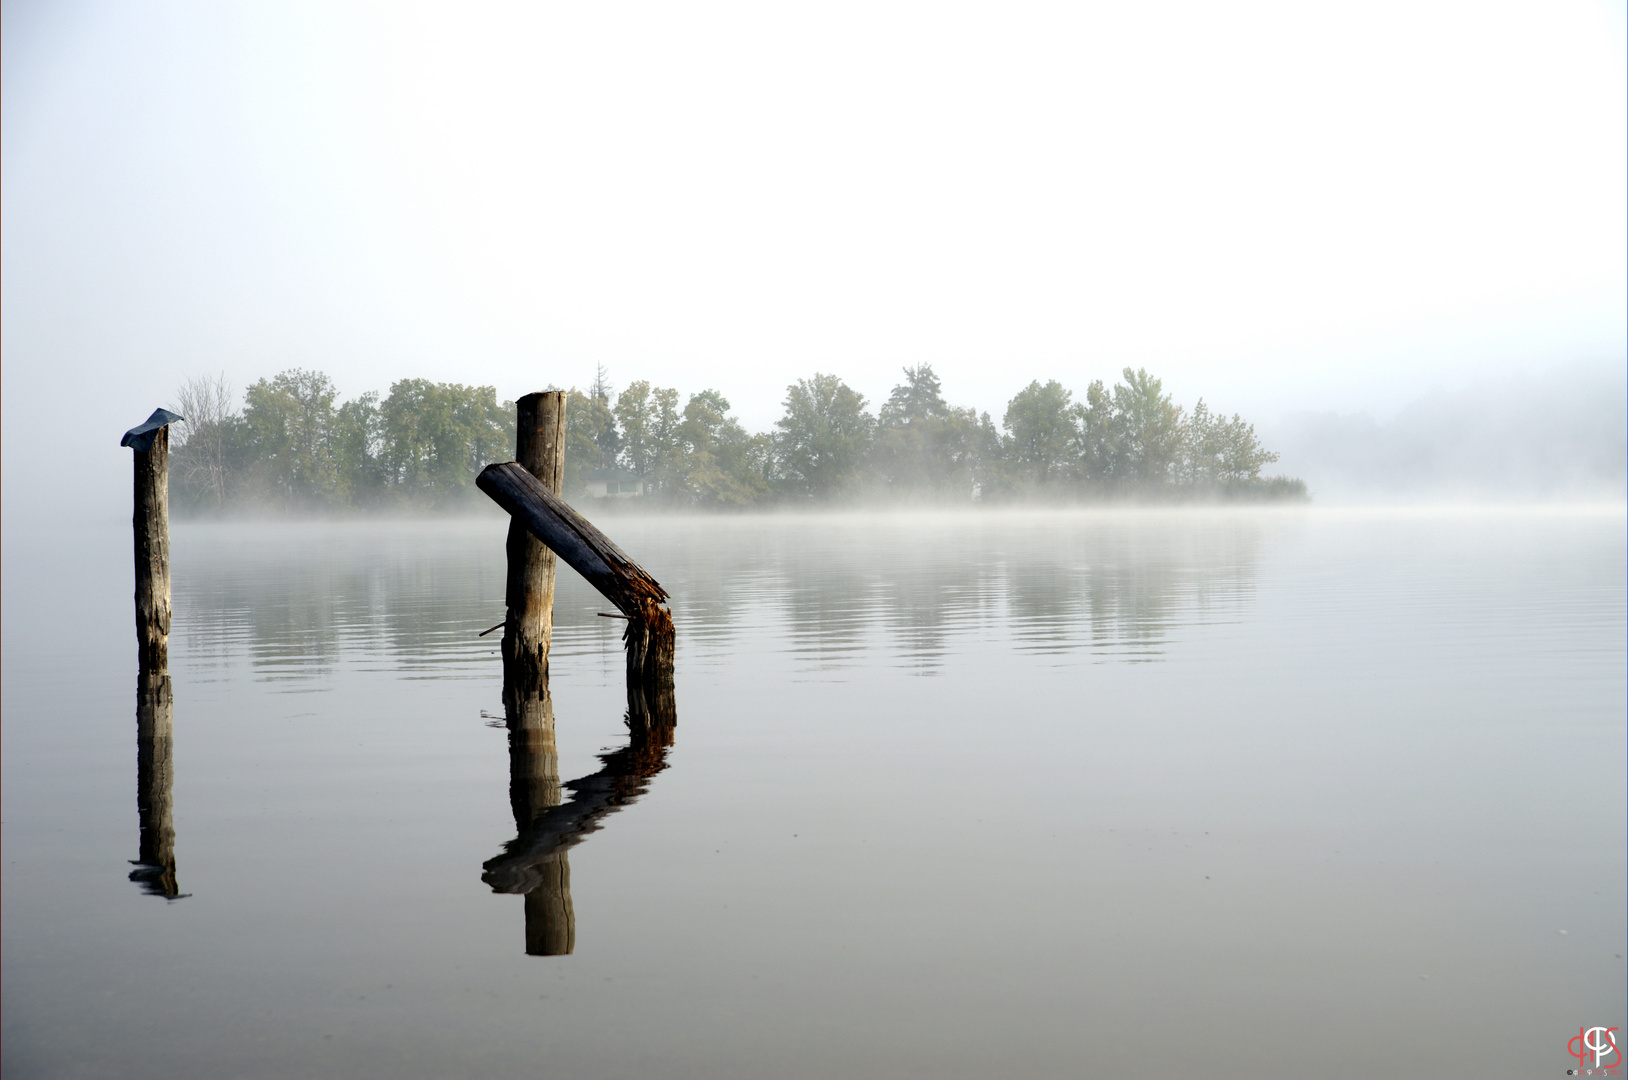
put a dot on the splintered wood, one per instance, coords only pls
(587, 550)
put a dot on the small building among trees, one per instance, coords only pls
(614, 484)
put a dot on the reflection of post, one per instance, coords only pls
(551, 925)
(155, 777)
(534, 788)
(529, 627)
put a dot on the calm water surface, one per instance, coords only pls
(1222, 794)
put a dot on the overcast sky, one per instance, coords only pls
(1277, 206)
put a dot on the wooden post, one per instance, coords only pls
(151, 523)
(528, 628)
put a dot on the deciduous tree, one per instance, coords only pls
(823, 438)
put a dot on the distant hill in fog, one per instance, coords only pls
(1559, 436)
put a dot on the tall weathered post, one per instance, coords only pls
(151, 522)
(528, 627)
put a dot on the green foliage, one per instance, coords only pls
(636, 415)
(291, 429)
(1099, 438)
(1041, 436)
(823, 439)
(720, 466)
(926, 450)
(434, 438)
(1148, 432)
(916, 399)
(591, 439)
(358, 441)
(1222, 455)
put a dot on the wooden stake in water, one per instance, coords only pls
(151, 523)
(528, 629)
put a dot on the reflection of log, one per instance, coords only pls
(151, 522)
(155, 777)
(591, 553)
(529, 626)
(534, 862)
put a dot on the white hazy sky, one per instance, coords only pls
(1275, 206)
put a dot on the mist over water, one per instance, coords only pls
(1555, 437)
(950, 794)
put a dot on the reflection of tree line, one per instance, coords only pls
(1048, 583)
(294, 445)
(304, 610)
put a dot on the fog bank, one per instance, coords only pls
(1559, 436)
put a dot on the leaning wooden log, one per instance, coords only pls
(649, 633)
(588, 551)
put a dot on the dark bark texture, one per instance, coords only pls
(528, 629)
(151, 523)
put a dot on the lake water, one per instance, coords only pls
(1095, 794)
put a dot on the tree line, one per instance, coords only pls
(293, 444)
